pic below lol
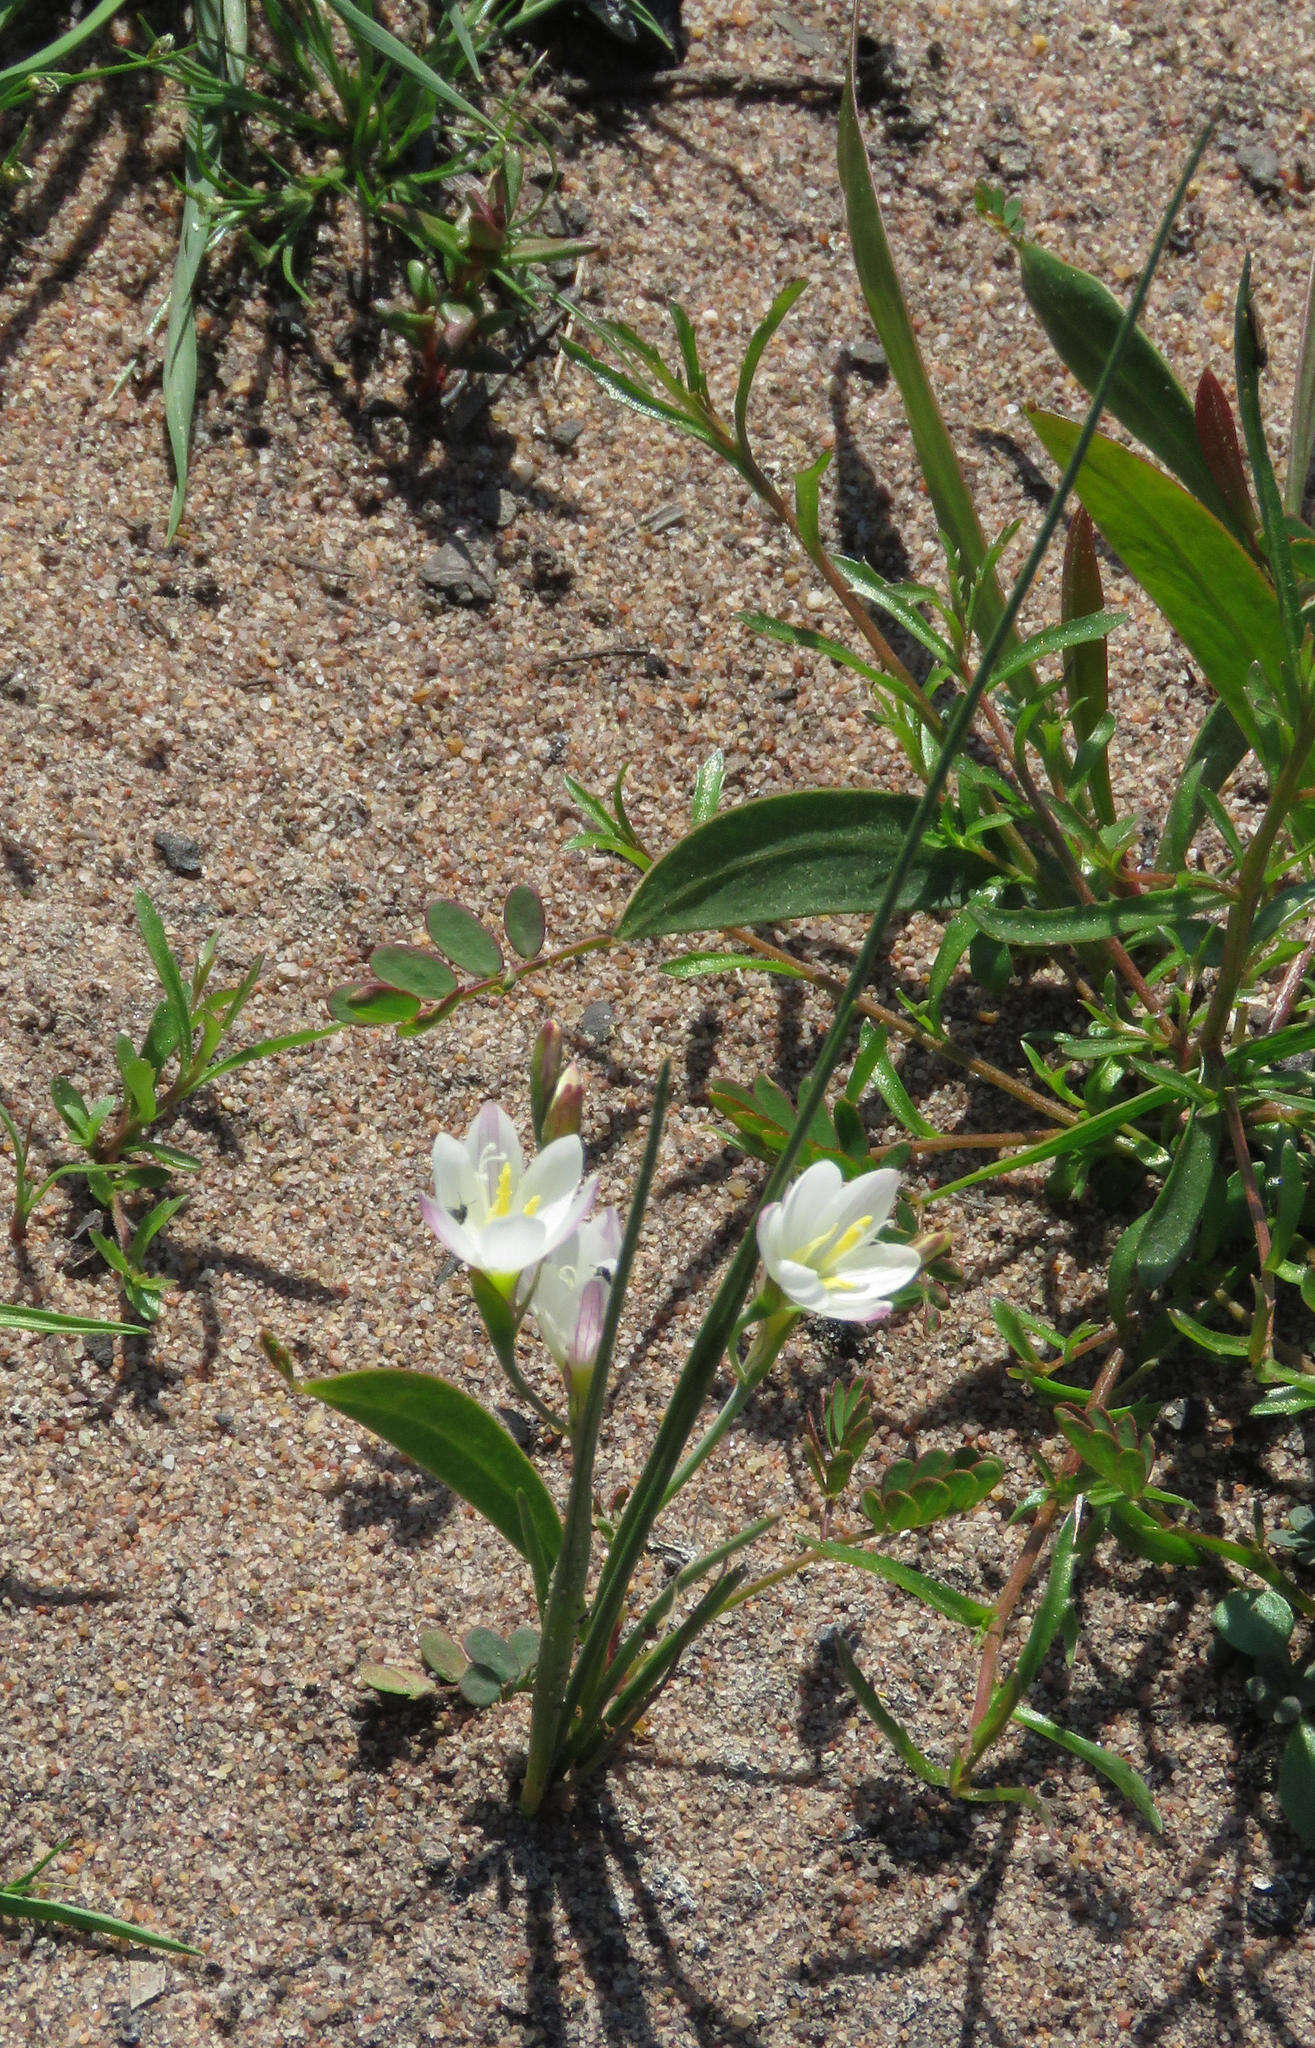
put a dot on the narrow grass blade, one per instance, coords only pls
(52, 56)
(955, 511)
(406, 60)
(1116, 1768)
(19, 1905)
(12, 1317)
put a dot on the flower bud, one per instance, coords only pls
(545, 1073)
(562, 1119)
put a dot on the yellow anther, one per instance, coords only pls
(501, 1205)
(854, 1235)
(532, 1205)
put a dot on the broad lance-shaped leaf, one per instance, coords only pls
(804, 855)
(1213, 595)
(451, 1436)
(1081, 319)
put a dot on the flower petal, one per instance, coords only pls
(890, 1265)
(455, 1181)
(507, 1244)
(462, 1243)
(492, 1143)
(553, 1175)
(806, 1209)
(871, 1195)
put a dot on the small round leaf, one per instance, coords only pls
(395, 1684)
(369, 1002)
(463, 939)
(523, 921)
(479, 1687)
(415, 969)
(442, 1655)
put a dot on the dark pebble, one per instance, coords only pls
(565, 434)
(181, 855)
(598, 1022)
(453, 572)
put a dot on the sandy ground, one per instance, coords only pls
(192, 1562)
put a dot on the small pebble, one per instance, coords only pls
(181, 855)
(598, 1022)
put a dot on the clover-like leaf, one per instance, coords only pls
(458, 933)
(913, 1494)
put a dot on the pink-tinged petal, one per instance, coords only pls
(455, 1182)
(872, 1195)
(507, 1244)
(855, 1308)
(892, 1266)
(553, 1174)
(492, 1144)
(588, 1333)
(600, 1239)
(459, 1241)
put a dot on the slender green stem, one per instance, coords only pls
(548, 1712)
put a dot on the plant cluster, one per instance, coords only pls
(1178, 1091)
(297, 110)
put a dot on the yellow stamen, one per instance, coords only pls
(501, 1204)
(854, 1235)
(532, 1204)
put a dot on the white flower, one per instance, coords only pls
(821, 1244)
(494, 1213)
(569, 1300)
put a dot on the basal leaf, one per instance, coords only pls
(800, 855)
(450, 1435)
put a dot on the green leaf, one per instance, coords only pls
(369, 1002)
(1175, 1215)
(1081, 319)
(483, 1647)
(707, 788)
(1249, 359)
(1296, 1782)
(1301, 436)
(753, 355)
(1216, 751)
(370, 31)
(881, 1717)
(443, 1655)
(459, 934)
(267, 1048)
(1079, 924)
(479, 1687)
(913, 1495)
(450, 1435)
(396, 1684)
(1112, 1446)
(1209, 589)
(800, 855)
(1116, 1768)
(523, 921)
(1257, 1625)
(21, 1905)
(171, 980)
(72, 1108)
(415, 970)
(955, 512)
(689, 966)
(1054, 1603)
(13, 1317)
(138, 1079)
(955, 1606)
